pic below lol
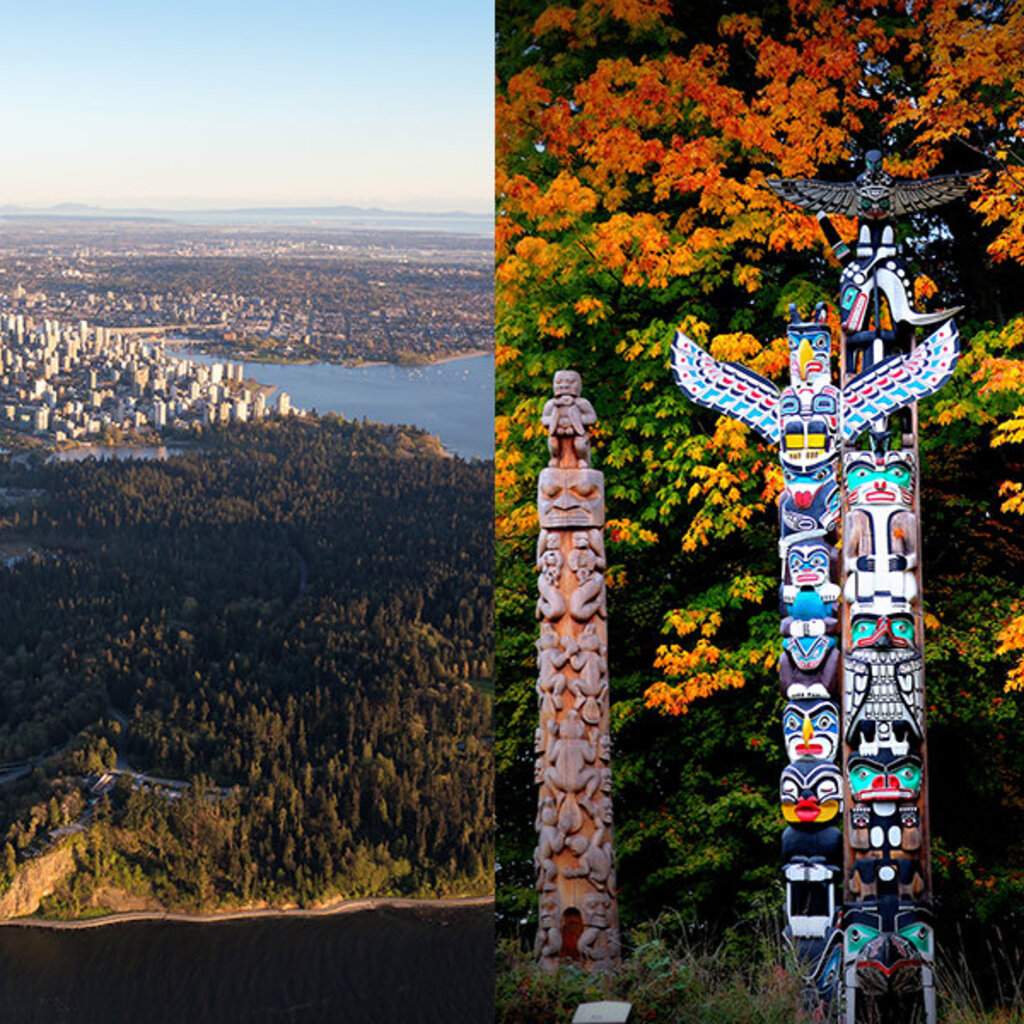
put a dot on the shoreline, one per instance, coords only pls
(270, 361)
(346, 906)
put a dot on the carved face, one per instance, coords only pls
(809, 352)
(811, 730)
(882, 631)
(811, 792)
(870, 736)
(567, 497)
(804, 488)
(548, 911)
(885, 939)
(807, 563)
(567, 382)
(595, 910)
(885, 779)
(880, 482)
(809, 419)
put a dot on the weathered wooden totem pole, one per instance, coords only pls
(858, 608)
(575, 861)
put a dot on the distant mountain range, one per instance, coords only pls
(454, 220)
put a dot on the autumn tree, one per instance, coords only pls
(633, 141)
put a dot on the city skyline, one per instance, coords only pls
(214, 106)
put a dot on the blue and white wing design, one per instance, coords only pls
(899, 380)
(728, 388)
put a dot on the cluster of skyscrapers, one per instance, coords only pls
(82, 381)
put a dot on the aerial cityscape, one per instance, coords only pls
(90, 311)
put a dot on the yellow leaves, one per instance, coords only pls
(730, 437)
(527, 88)
(1011, 638)
(999, 203)
(741, 26)
(637, 13)
(626, 531)
(747, 277)
(676, 700)
(717, 484)
(773, 482)
(1010, 431)
(519, 522)
(951, 412)
(548, 324)
(505, 354)
(734, 348)
(561, 204)
(593, 309)
(687, 620)
(1013, 492)
(638, 246)
(695, 329)
(749, 588)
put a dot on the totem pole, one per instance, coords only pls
(888, 945)
(879, 946)
(578, 914)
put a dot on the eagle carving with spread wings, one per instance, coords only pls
(875, 194)
(892, 384)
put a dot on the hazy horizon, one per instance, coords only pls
(173, 205)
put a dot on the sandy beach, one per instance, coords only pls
(341, 907)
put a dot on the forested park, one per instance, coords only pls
(634, 142)
(291, 622)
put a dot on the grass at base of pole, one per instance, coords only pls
(672, 978)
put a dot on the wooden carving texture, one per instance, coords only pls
(578, 912)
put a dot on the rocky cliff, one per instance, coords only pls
(37, 879)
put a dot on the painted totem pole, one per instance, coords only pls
(879, 946)
(888, 944)
(574, 857)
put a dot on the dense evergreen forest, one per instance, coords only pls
(296, 618)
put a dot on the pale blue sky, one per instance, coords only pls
(220, 102)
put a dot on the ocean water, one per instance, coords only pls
(454, 400)
(382, 966)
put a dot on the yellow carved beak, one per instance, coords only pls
(805, 353)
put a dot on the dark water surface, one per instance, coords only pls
(392, 966)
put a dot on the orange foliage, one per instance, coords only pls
(625, 177)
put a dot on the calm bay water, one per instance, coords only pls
(383, 966)
(454, 400)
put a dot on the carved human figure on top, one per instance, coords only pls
(568, 416)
